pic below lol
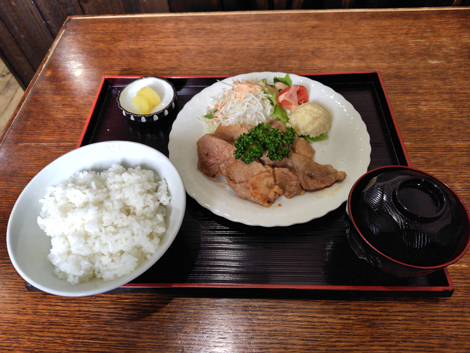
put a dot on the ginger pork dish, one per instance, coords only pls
(259, 138)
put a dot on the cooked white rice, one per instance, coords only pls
(104, 224)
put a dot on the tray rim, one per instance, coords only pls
(444, 290)
(305, 287)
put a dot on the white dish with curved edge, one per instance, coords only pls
(165, 90)
(28, 246)
(347, 149)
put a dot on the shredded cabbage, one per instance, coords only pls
(243, 102)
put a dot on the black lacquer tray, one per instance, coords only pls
(216, 257)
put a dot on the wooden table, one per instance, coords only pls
(423, 57)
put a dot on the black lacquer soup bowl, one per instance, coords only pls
(405, 222)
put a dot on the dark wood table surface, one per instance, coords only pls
(423, 57)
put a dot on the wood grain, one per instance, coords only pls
(196, 6)
(28, 27)
(14, 57)
(240, 5)
(422, 56)
(10, 95)
(55, 13)
(143, 6)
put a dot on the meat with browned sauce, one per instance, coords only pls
(263, 181)
(253, 181)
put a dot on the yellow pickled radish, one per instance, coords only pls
(146, 99)
(141, 103)
(137, 100)
(153, 97)
(145, 104)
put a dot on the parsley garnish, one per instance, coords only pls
(251, 146)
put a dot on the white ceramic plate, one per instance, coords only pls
(28, 246)
(347, 149)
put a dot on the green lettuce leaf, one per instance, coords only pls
(321, 137)
(279, 112)
(286, 80)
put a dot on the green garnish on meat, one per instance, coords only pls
(251, 146)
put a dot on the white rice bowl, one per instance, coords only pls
(96, 218)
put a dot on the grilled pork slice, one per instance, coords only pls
(260, 188)
(214, 155)
(231, 133)
(302, 147)
(264, 189)
(252, 181)
(277, 124)
(239, 172)
(288, 182)
(312, 175)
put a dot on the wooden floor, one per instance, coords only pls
(10, 95)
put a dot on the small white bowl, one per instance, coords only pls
(164, 89)
(28, 246)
